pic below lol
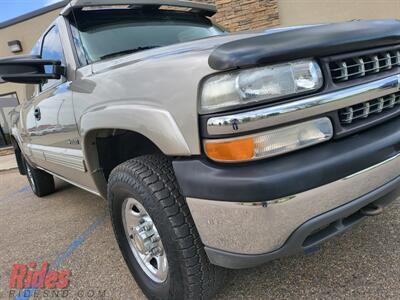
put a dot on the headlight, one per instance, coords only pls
(260, 84)
(270, 143)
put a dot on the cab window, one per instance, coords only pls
(105, 33)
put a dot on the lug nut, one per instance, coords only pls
(157, 251)
(155, 238)
(147, 226)
(144, 226)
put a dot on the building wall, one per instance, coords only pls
(239, 15)
(295, 12)
(28, 33)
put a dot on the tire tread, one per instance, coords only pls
(156, 172)
(44, 181)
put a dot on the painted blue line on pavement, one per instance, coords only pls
(24, 189)
(77, 242)
(27, 293)
(20, 190)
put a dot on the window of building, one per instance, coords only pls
(7, 104)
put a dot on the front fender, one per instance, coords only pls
(156, 124)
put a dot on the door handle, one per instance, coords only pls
(37, 113)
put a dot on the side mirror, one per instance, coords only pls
(29, 69)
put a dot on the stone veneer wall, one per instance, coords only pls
(239, 15)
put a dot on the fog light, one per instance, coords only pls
(270, 143)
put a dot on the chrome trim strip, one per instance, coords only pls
(71, 158)
(300, 109)
(226, 225)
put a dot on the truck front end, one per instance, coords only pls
(300, 134)
(230, 150)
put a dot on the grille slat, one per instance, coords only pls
(380, 106)
(349, 115)
(364, 65)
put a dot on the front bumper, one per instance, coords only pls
(254, 228)
(264, 210)
(313, 232)
(289, 174)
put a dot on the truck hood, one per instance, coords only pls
(302, 42)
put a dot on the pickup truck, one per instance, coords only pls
(214, 150)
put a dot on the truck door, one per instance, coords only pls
(28, 129)
(55, 145)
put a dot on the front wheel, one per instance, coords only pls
(156, 233)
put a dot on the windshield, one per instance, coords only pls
(104, 36)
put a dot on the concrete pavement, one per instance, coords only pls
(71, 230)
(8, 162)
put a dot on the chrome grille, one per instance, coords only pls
(350, 115)
(361, 66)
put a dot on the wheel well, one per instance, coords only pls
(117, 146)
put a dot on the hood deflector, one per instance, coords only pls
(303, 42)
(195, 7)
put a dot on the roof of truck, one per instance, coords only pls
(200, 8)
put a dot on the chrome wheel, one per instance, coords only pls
(144, 240)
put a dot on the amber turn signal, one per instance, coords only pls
(234, 150)
(271, 142)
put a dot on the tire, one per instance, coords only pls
(20, 161)
(149, 180)
(42, 183)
